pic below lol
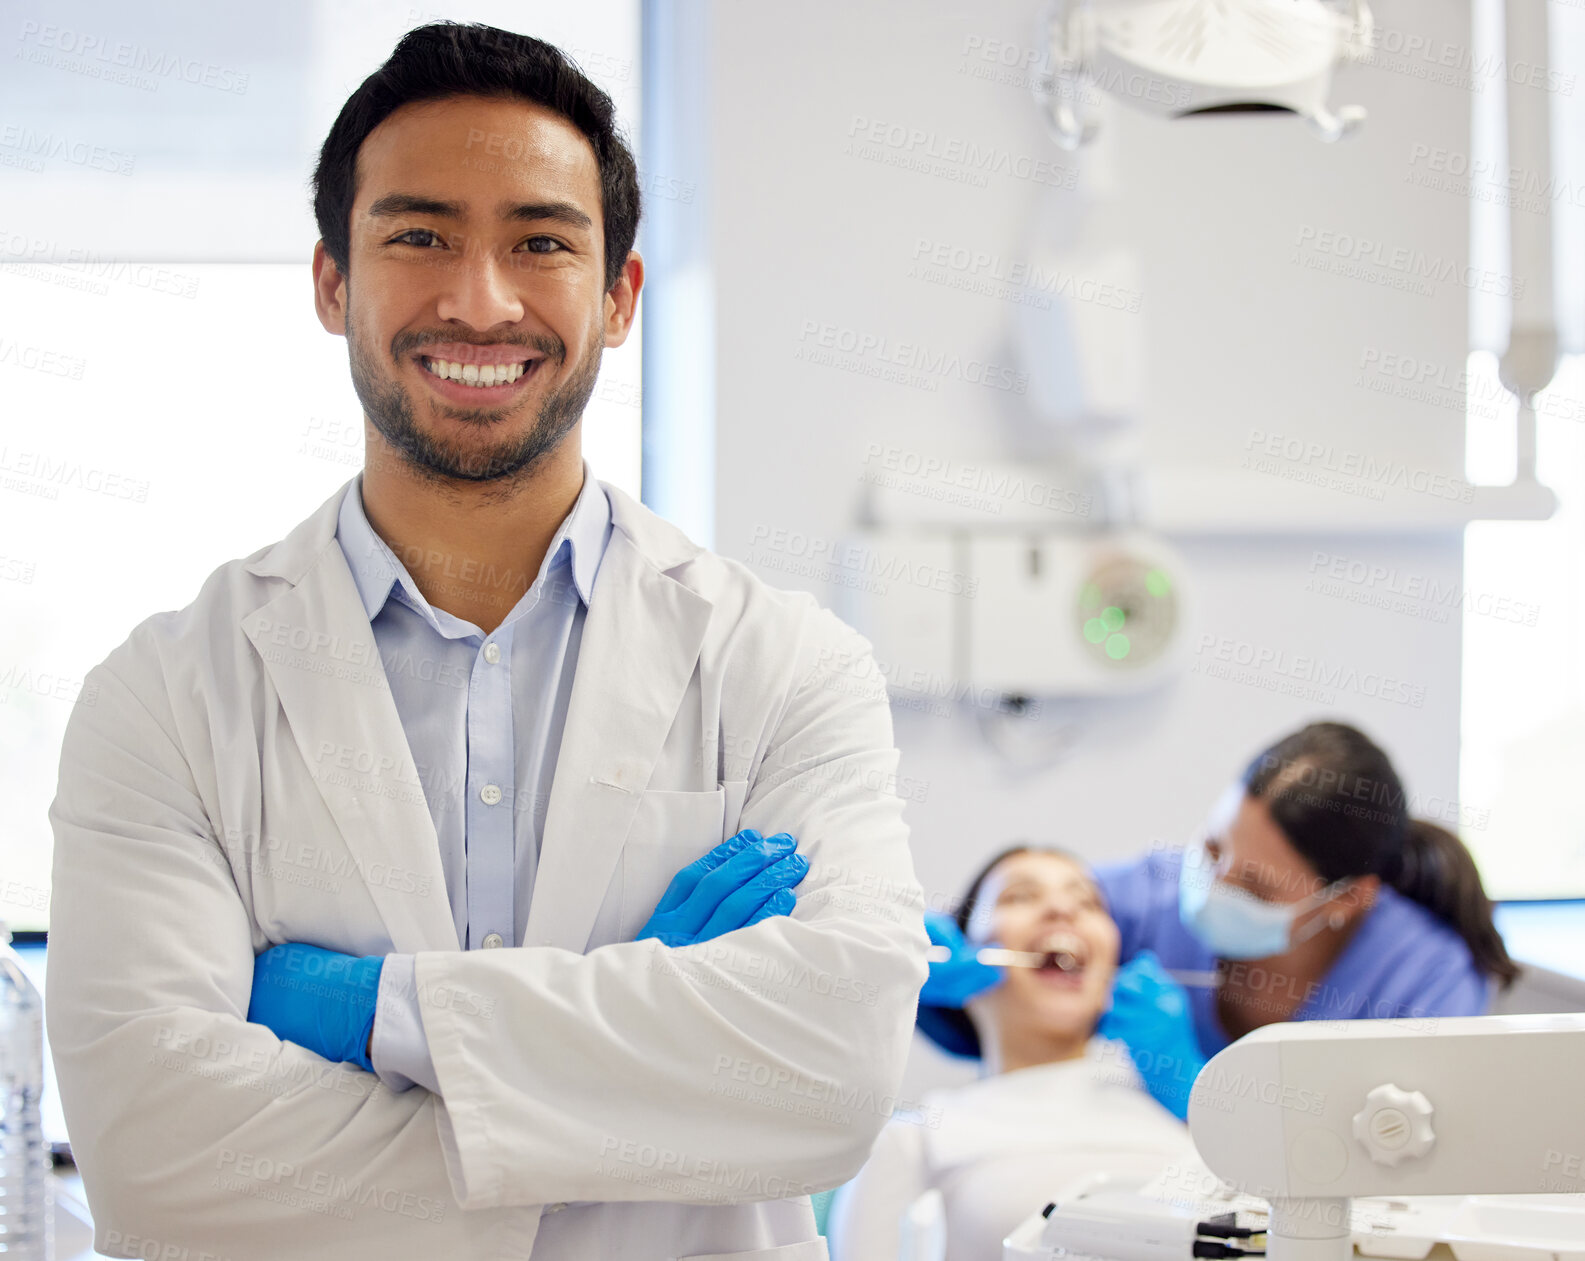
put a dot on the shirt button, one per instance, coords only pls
(491, 941)
(492, 652)
(489, 794)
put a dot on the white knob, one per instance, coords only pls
(1395, 1125)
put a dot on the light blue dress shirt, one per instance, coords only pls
(483, 716)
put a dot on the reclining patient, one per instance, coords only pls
(1056, 1103)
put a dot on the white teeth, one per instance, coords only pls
(1067, 944)
(479, 375)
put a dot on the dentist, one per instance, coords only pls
(468, 782)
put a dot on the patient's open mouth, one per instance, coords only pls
(1063, 952)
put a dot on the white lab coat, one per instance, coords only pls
(236, 775)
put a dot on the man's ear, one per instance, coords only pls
(330, 292)
(621, 300)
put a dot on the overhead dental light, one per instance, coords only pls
(1178, 58)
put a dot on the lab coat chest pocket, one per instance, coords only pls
(669, 831)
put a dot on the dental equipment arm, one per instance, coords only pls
(1307, 1115)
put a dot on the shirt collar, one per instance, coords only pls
(377, 572)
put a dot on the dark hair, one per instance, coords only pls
(450, 59)
(949, 1027)
(1336, 797)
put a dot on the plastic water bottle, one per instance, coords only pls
(24, 1160)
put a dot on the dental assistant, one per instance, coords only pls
(1313, 895)
(427, 886)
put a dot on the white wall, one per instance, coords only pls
(1233, 335)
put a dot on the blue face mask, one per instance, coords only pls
(1233, 924)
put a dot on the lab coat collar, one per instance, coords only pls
(663, 544)
(658, 540)
(291, 557)
(641, 641)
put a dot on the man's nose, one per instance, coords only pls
(481, 289)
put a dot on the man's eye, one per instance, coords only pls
(544, 240)
(412, 232)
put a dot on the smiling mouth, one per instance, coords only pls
(481, 377)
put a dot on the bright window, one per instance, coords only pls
(1523, 724)
(1523, 727)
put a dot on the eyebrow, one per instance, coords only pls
(397, 205)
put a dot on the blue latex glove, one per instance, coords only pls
(738, 883)
(954, 981)
(319, 999)
(1150, 1016)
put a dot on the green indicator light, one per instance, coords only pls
(1113, 617)
(1089, 596)
(1117, 647)
(1157, 583)
(1095, 630)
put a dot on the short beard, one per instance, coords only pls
(390, 410)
